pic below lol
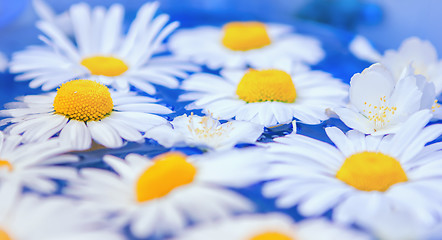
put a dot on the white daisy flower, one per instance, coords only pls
(271, 227)
(3, 62)
(421, 54)
(46, 13)
(267, 97)
(29, 217)
(160, 195)
(31, 165)
(100, 51)
(205, 132)
(84, 110)
(244, 44)
(380, 105)
(362, 176)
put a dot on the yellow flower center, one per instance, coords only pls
(266, 85)
(8, 165)
(4, 235)
(106, 66)
(83, 100)
(371, 171)
(244, 36)
(169, 171)
(271, 236)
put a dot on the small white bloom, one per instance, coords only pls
(241, 44)
(31, 165)
(380, 104)
(271, 227)
(81, 111)
(101, 52)
(160, 195)
(205, 132)
(28, 217)
(362, 176)
(267, 97)
(421, 54)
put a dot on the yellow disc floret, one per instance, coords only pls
(371, 171)
(83, 100)
(271, 236)
(4, 235)
(266, 85)
(106, 66)
(7, 165)
(169, 171)
(244, 36)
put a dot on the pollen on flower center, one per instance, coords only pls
(83, 100)
(7, 165)
(271, 236)
(205, 128)
(266, 85)
(371, 171)
(244, 36)
(379, 114)
(104, 65)
(169, 171)
(4, 235)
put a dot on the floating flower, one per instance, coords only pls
(271, 227)
(380, 105)
(103, 53)
(268, 96)
(31, 165)
(362, 176)
(242, 44)
(421, 54)
(161, 195)
(205, 132)
(84, 110)
(29, 217)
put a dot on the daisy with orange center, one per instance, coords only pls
(159, 195)
(32, 165)
(241, 44)
(107, 55)
(363, 176)
(21, 219)
(271, 227)
(84, 110)
(266, 96)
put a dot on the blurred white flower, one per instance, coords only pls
(242, 44)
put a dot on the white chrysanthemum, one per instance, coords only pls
(271, 227)
(205, 132)
(242, 44)
(100, 51)
(29, 217)
(380, 105)
(161, 195)
(82, 111)
(267, 97)
(3, 62)
(31, 165)
(421, 54)
(363, 175)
